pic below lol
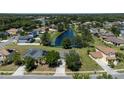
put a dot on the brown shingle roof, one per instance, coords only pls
(96, 54)
(105, 50)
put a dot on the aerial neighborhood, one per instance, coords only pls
(62, 46)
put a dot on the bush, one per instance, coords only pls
(111, 64)
(120, 57)
(16, 58)
(105, 76)
(81, 76)
(121, 48)
(52, 58)
(29, 63)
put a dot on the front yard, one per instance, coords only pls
(88, 65)
(8, 69)
(42, 70)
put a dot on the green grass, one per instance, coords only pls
(23, 48)
(119, 66)
(87, 63)
(10, 67)
(53, 36)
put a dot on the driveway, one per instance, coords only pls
(60, 71)
(104, 65)
(19, 72)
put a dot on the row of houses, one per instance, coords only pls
(33, 53)
(107, 36)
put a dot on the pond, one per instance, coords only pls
(66, 34)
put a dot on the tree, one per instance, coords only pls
(120, 56)
(77, 42)
(87, 38)
(73, 60)
(111, 64)
(52, 58)
(16, 58)
(115, 31)
(45, 39)
(3, 36)
(61, 27)
(29, 63)
(66, 43)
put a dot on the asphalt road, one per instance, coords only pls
(35, 77)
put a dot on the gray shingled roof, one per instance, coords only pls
(115, 40)
(34, 53)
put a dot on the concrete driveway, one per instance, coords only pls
(60, 71)
(19, 72)
(104, 65)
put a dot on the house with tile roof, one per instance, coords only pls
(108, 54)
(96, 55)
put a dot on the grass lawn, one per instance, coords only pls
(87, 63)
(22, 49)
(10, 67)
(119, 66)
(53, 36)
(43, 70)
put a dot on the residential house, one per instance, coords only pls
(34, 53)
(3, 55)
(106, 34)
(114, 40)
(94, 31)
(107, 25)
(108, 54)
(25, 39)
(96, 55)
(34, 33)
(12, 31)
